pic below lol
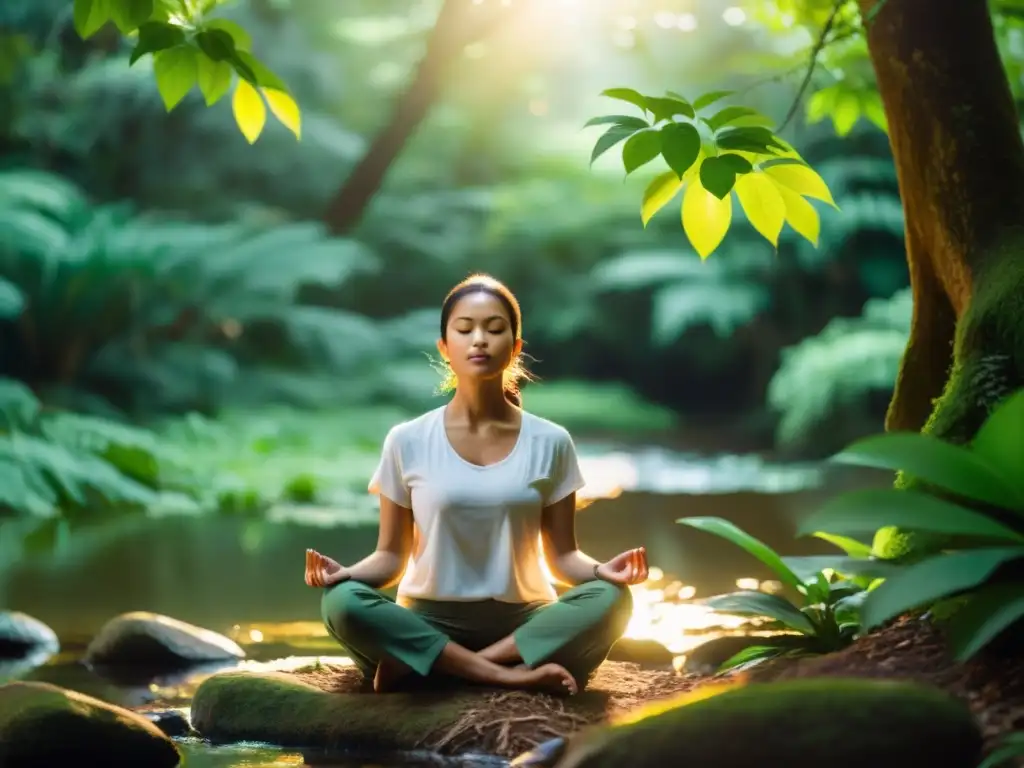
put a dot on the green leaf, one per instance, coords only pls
(129, 15)
(762, 604)
(667, 108)
(923, 583)
(848, 609)
(609, 139)
(1000, 441)
(240, 37)
(710, 98)
(865, 511)
(217, 44)
(987, 613)
(748, 139)
(751, 655)
(627, 95)
(90, 16)
(261, 74)
(852, 547)
(718, 174)
(807, 567)
(640, 149)
(845, 112)
(680, 146)
(1012, 745)
(214, 78)
(743, 540)
(763, 205)
(176, 72)
(953, 467)
(626, 121)
(156, 36)
(658, 194)
(728, 115)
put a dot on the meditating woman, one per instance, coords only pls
(468, 493)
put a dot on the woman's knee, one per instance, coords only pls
(616, 600)
(343, 605)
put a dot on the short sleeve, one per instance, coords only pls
(566, 476)
(389, 479)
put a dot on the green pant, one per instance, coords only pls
(576, 631)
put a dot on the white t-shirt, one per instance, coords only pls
(477, 528)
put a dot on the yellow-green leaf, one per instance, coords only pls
(176, 72)
(800, 214)
(250, 112)
(846, 112)
(763, 205)
(243, 42)
(89, 16)
(658, 194)
(214, 78)
(706, 219)
(803, 180)
(871, 105)
(284, 109)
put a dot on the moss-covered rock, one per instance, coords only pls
(43, 726)
(148, 639)
(279, 709)
(834, 722)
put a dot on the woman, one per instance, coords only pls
(468, 493)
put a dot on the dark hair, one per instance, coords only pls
(480, 283)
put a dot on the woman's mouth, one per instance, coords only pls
(479, 358)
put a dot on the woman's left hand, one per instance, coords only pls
(626, 569)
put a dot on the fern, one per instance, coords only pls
(162, 313)
(54, 462)
(840, 366)
(723, 293)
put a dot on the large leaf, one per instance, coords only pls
(939, 576)
(852, 547)
(864, 512)
(808, 567)
(762, 604)
(952, 467)
(744, 540)
(1000, 442)
(987, 613)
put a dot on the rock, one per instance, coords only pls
(43, 726)
(149, 639)
(21, 634)
(328, 707)
(170, 721)
(647, 653)
(841, 723)
(542, 756)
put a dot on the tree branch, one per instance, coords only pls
(819, 46)
(454, 30)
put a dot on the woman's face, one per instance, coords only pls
(479, 342)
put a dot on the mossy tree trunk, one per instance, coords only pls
(959, 159)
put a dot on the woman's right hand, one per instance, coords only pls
(322, 571)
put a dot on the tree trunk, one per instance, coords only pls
(458, 24)
(959, 159)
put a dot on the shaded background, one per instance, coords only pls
(200, 352)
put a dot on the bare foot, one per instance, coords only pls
(389, 672)
(550, 678)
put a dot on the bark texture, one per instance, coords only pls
(960, 164)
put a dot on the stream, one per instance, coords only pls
(242, 576)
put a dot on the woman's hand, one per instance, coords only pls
(626, 569)
(322, 571)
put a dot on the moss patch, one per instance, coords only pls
(46, 726)
(329, 707)
(839, 723)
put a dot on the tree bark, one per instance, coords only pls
(459, 23)
(953, 128)
(960, 164)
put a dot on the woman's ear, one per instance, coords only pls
(442, 349)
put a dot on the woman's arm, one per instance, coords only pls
(394, 543)
(558, 532)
